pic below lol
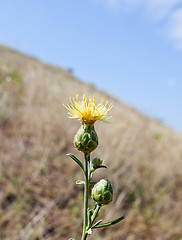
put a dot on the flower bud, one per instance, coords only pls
(102, 192)
(86, 139)
(96, 162)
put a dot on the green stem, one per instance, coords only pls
(86, 188)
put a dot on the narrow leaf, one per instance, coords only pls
(101, 166)
(97, 223)
(76, 160)
(90, 213)
(79, 182)
(109, 223)
(93, 183)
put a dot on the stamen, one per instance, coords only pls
(77, 98)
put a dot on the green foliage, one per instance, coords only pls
(158, 137)
(159, 195)
(108, 224)
(176, 236)
(76, 160)
(15, 77)
(75, 211)
(42, 171)
(12, 77)
(129, 199)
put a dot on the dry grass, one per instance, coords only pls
(38, 196)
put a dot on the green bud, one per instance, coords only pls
(86, 139)
(96, 162)
(102, 192)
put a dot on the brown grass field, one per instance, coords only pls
(38, 195)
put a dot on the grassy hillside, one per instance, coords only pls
(38, 195)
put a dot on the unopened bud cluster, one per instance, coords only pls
(102, 192)
(96, 162)
(86, 140)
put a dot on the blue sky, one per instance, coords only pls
(129, 48)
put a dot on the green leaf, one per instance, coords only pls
(91, 212)
(79, 182)
(97, 223)
(96, 167)
(93, 183)
(76, 160)
(109, 223)
(101, 166)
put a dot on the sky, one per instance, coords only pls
(131, 49)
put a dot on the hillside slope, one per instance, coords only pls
(38, 195)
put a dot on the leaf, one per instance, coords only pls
(97, 223)
(76, 160)
(90, 213)
(109, 223)
(79, 182)
(101, 166)
(97, 167)
(93, 183)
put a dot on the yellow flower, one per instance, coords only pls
(88, 113)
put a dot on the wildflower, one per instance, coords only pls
(86, 141)
(88, 113)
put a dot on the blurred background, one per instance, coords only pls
(130, 53)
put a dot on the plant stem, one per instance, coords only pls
(86, 188)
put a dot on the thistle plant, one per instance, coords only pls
(86, 141)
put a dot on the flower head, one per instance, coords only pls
(102, 192)
(88, 113)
